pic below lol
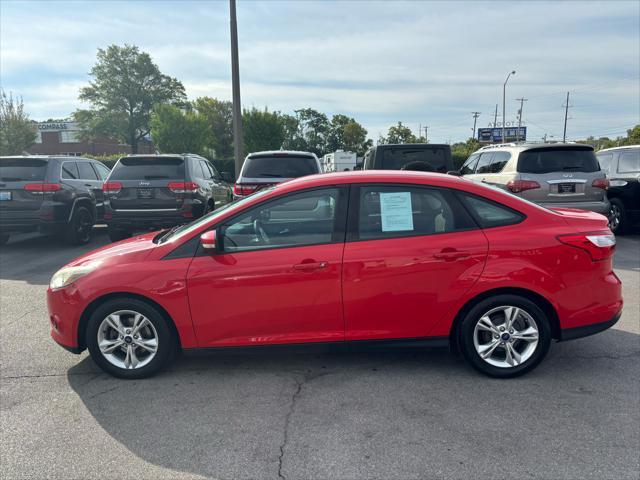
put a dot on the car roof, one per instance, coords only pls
(618, 148)
(50, 157)
(426, 145)
(522, 146)
(286, 152)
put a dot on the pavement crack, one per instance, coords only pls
(103, 392)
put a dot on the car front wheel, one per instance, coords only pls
(129, 338)
(505, 336)
(617, 216)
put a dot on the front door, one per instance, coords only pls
(413, 254)
(277, 278)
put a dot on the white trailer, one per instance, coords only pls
(339, 161)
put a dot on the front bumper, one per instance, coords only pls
(597, 207)
(586, 330)
(65, 308)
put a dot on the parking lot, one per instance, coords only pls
(409, 414)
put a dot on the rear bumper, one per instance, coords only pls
(8, 226)
(597, 207)
(585, 331)
(147, 219)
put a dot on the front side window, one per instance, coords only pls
(400, 211)
(629, 162)
(103, 171)
(490, 214)
(469, 166)
(484, 162)
(299, 219)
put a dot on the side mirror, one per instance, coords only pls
(226, 176)
(208, 241)
(455, 173)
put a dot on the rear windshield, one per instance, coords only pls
(429, 159)
(558, 160)
(289, 166)
(148, 168)
(22, 169)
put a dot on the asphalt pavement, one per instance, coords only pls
(400, 415)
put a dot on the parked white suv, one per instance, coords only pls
(565, 175)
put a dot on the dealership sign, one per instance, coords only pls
(494, 135)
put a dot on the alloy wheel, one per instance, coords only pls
(127, 339)
(614, 217)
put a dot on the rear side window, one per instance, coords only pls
(498, 162)
(629, 161)
(490, 214)
(70, 171)
(605, 160)
(276, 166)
(547, 160)
(484, 162)
(22, 169)
(148, 168)
(469, 166)
(400, 211)
(86, 171)
(396, 158)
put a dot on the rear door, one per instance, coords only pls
(565, 174)
(19, 180)
(91, 181)
(149, 183)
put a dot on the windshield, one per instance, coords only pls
(279, 166)
(184, 230)
(22, 169)
(560, 159)
(148, 168)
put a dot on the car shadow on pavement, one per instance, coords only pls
(265, 415)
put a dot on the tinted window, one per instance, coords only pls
(103, 172)
(148, 168)
(629, 161)
(605, 160)
(86, 172)
(484, 162)
(397, 211)
(70, 170)
(490, 214)
(469, 166)
(395, 158)
(300, 219)
(22, 169)
(498, 162)
(285, 166)
(549, 160)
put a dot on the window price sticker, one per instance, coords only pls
(396, 212)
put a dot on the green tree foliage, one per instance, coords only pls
(218, 115)
(632, 138)
(263, 130)
(461, 151)
(126, 85)
(347, 134)
(17, 131)
(175, 131)
(401, 134)
(313, 128)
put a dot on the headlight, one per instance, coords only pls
(67, 275)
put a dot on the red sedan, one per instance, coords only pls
(345, 259)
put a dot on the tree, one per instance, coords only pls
(17, 131)
(126, 86)
(347, 134)
(263, 130)
(461, 151)
(401, 134)
(218, 114)
(313, 128)
(175, 131)
(633, 135)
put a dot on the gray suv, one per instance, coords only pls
(563, 175)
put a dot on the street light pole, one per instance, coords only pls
(504, 99)
(235, 86)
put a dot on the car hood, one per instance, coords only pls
(126, 251)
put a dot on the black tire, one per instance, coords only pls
(115, 234)
(166, 341)
(466, 333)
(80, 227)
(4, 239)
(617, 209)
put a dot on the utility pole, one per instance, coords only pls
(426, 136)
(475, 118)
(522, 100)
(235, 86)
(566, 113)
(495, 117)
(504, 115)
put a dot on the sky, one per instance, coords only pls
(425, 63)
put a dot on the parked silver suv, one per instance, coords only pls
(551, 174)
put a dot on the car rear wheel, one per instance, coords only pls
(129, 338)
(80, 228)
(505, 336)
(4, 239)
(115, 234)
(617, 216)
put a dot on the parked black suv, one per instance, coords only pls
(51, 194)
(409, 156)
(622, 166)
(150, 192)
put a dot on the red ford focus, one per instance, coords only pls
(360, 258)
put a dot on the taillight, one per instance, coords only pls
(42, 188)
(244, 189)
(183, 187)
(602, 183)
(599, 245)
(517, 186)
(111, 187)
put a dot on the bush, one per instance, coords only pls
(108, 160)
